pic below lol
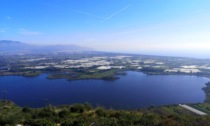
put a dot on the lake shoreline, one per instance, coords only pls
(109, 77)
(206, 89)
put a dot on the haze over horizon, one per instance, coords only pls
(171, 28)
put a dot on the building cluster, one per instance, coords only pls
(116, 62)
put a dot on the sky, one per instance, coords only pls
(159, 27)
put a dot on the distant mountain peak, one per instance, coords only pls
(9, 42)
(9, 46)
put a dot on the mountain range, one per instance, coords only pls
(9, 46)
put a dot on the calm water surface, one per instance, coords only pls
(135, 90)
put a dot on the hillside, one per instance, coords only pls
(85, 115)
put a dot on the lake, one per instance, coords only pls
(132, 91)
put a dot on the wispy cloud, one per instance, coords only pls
(88, 14)
(102, 18)
(115, 13)
(77, 11)
(28, 32)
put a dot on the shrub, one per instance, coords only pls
(101, 112)
(77, 108)
(26, 110)
(40, 122)
(63, 113)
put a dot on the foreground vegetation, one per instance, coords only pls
(85, 115)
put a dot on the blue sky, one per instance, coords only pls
(164, 27)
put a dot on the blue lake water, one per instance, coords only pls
(132, 91)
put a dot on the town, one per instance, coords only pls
(99, 65)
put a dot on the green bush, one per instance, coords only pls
(67, 123)
(27, 110)
(101, 112)
(77, 122)
(41, 122)
(77, 108)
(88, 107)
(63, 113)
(46, 112)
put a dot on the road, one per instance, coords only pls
(198, 112)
